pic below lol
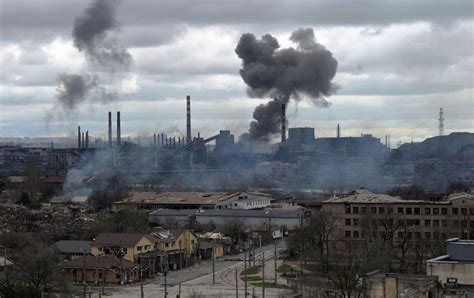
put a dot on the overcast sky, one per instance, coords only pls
(399, 62)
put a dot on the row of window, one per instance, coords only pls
(409, 210)
(406, 235)
(411, 222)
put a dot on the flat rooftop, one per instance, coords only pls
(183, 198)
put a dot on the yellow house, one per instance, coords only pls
(176, 240)
(127, 246)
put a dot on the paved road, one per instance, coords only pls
(197, 281)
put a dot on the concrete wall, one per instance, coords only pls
(93, 276)
(463, 271)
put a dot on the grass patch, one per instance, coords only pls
(270, 285)
(252, 270)
(251, 278)
(284, 268)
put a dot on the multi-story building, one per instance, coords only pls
(363, 215)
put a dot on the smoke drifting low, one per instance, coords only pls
(91, 35)
(284, 74)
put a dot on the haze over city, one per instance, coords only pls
(398, 63)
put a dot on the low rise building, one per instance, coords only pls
(98, 269)
(455, 269)
(71, 249)
(291, 218)
(194, 200)
(126, 246)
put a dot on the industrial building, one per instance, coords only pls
(194, 200)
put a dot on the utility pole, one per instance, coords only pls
(301, 259)
(263, 274)
(236, 283)
(245, 274)
(141, 283)
(213, 266)
(275, 258)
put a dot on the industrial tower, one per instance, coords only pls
(441, 122)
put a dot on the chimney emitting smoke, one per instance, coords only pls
(283, 123)
(119, 141)
(79, 137)
(188, 119)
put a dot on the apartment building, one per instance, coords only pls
(363, 215)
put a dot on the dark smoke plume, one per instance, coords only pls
(74, 89)
(91, 34)
(288, 73)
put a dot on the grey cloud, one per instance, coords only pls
(56, 15)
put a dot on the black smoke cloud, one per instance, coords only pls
(284, 74)
(74, 89)
(92, 36)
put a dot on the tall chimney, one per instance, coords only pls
(283, 123)
(110, 129)
(79, 137)
(154, 140)
(83, 141)
(87, 139)
(163, 140)
(188, 119)
(119, 141)
(338, 133)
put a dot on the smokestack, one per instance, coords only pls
(79, 137)
(110, 129)
(82, 142)
(188, 119)
(87, 139)
(119, 141)
(162, 140)
(154, 140)
(283, 123)
(174, 142)
(338, 132)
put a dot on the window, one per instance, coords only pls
(400, 235)
(455, 211)
(356, 234)
(363, 210)
(463, 223)
(463, 211)
(427, 211)
(456, 223)
(400, 210)
(381, 210)
(435, 211)
(348, 209)
(373, 210)
(435, 223)
(444, 211)
(417, 235)
(408, 210)
(139, 248)
(427, 222)
(348, 234)
(192, 241)
(471, 211)
(416, 222)
(410, 235)
(347, 222)
(427, 235)
(436, 235)
(416, 210)
(389, 210)
(471, 224)
(355, 221)
(443, 223)
(167, 245)
(355, 210)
